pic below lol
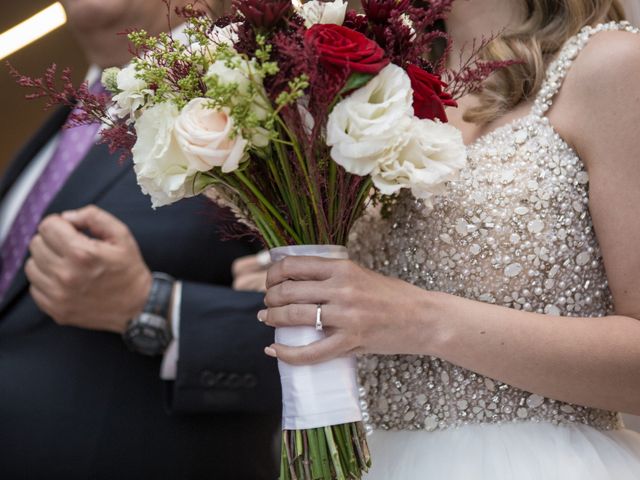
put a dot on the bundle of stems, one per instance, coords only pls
(337, 452)
(295, 194)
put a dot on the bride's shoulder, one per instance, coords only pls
(610, 59)
(602, 87)
(607, 55)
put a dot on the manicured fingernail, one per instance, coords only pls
(271, 352)
(262, 314)
(69, 215)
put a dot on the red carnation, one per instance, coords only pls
(343, 48)
(379, 11)
(429, 97)
(264, 13)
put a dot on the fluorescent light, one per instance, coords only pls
(32, 29)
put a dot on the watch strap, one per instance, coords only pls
(159, 300)
(150, 332)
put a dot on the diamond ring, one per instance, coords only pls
(319, 317)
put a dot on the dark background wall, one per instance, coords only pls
(20, 117)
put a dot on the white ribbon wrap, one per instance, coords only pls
(315, 395)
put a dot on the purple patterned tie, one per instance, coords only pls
(73, 144)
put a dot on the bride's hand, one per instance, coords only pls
(362, 311)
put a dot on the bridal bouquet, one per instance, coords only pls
(296, 116)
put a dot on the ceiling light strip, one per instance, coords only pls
(32, 29)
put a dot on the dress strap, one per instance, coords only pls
(557, 70)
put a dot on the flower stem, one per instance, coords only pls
(267, 205)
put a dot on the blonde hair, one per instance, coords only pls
(547, 25)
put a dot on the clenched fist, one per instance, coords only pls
(97, 282)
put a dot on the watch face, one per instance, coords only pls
(148, 334)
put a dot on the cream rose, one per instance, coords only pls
(162, 170)
(316, 11)
(244, 76)
(370, 125)
(205, 138)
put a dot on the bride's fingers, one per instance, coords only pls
(295, 316)
(321, 351)
(300, 268)
(296, 292)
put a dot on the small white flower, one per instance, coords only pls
(406, 20)
(244, 75)
(205, 137)
(133, 93)
(162, 170)
(432, 155)
(316, 11)
(109, 78)
(226, 35)
(219, 36)
(371, 124)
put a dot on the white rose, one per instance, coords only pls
(238, 74)
(370, 125)
(243, 75)
(133, 92)
(433, 154)
(316, 11)
(162, 169)
(204, 136)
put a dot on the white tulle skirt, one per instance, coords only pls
(518, 451)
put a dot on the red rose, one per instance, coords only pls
(429, 98)
(343, 48)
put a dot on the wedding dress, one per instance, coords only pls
(513, 230)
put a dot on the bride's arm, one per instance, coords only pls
(587, 361)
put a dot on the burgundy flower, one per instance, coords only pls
(379, 11)
(356, 21)
(264, 13)
(342, 48)
(429, 97)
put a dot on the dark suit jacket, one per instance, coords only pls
(76, 404)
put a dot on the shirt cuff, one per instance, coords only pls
(169, 368)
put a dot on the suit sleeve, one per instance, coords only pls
(221, 364)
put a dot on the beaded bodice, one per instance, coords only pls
(513, 230)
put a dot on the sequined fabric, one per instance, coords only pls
(513, 230)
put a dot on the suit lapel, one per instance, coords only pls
(87, 184)
(89, 181)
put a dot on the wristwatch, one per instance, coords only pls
(150, 332)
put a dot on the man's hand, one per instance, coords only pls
(250, 273)
(97, 283)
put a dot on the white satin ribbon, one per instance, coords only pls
(315, 395)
